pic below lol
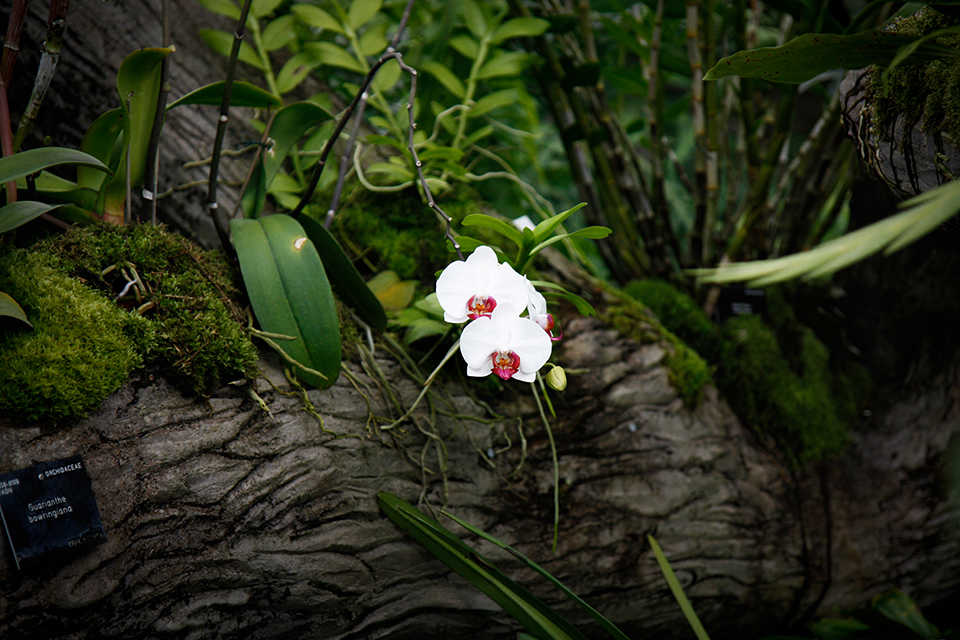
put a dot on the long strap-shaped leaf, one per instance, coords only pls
(290, 294)
(532, 613)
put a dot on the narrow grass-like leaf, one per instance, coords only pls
(444, 76)
(17, 213)
(540, 620)
(290, 293)
(692, 619)
(583, 307)
(901, 608)
(344, 277)
(811, 54)
(242, 94)
(10, 308)
(925, 213)
(606, 624)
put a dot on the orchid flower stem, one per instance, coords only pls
(426, 387)
(556, 466)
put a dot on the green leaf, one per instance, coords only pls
(290, 294)
(593, 613)
(138, 85)
(493, 101)
(102, 141)
(583, 307)
(539, 619)
(31, 161)
(361, 11)
(316, 17)
(473, 18)
(692, 619)
(901, 608)
(10, 308)
(445, 76)
(811, 54)
(926, 212)
(374, 40)
(222, 43)
(518, 28)
(344, 277)
(289, 125)
(548, 226)
(466, 45)
(278, 32)
(261, 8)
(511, 63)
(296, 69)
(226, 8)
(392, 292)
(254, 197)
(18, 213)
(503, 228)
(242, 94)
(335, 56)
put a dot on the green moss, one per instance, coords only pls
(687, 371)
(81, 350)
(928, 92)
(200, 339)
(681, 315)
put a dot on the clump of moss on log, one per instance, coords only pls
(183, 318)
(777, 375)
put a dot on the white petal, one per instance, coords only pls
(508, 287)
(478, 342)
(462, 280)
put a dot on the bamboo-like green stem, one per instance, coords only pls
(212, 206)
(712, 126)
(697, 241)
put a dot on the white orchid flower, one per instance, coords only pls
(537, 310)
(473, 288)
(505, 344)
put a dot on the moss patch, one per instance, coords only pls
(82, 347)
(777, 375)
(928, 92)
(77, 291)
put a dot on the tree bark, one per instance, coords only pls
(225, 521)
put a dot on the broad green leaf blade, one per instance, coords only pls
(317, 17)
(539, 619)
(335, 56)
(503, 228)
(543, 230)
(583, 307)
(692, 619)
(606, 624)
(31, 161)
(518, 28)
(361, 11)
(510, 63)
(926, 212)
(899, 607)
(279, 32)
(344, 277)
(392, 292)
(242, 94)
(17, 213)
(290, 294)
(811, 54)
(226, 8)
(289, 125)
(10, 308)
(138, 86)
(254, 197)
(102, 141)
(261, 8)
(222, 43)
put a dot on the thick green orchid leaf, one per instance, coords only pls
(503, 228)
(242, 94)
(344, 277)
(290, 294)
(547, 227)
(541, 621)
(811, 54)
(138, 84)
(10, 308)
(31, 161)
(17, 213)
(103, 141)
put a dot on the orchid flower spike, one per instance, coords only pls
(505, 344)
(473, 288)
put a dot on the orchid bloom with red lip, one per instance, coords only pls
(505, 344)
(475, 287)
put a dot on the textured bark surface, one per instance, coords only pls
(906, 156)
(227, 522)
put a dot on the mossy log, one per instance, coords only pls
(225, 521)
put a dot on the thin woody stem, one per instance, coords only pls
(11, 46)
(212, 206)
